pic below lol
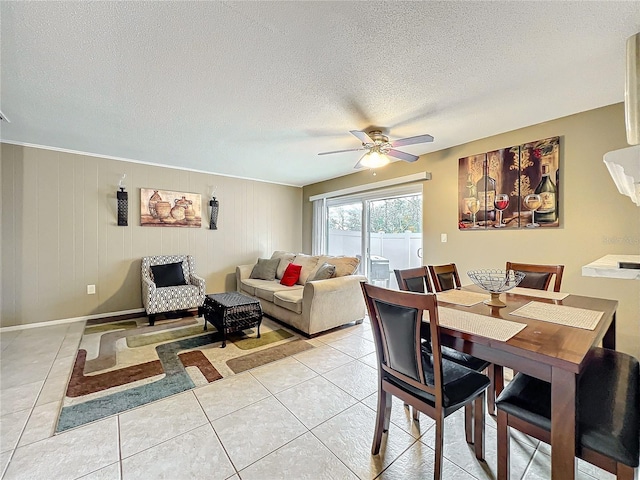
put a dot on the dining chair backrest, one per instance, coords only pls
(444, 277)
(414, 280)
(538, 276)
(396, 318)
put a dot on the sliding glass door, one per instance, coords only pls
(383, 229)
(345, 229)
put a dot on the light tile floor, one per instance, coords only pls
(310, 416)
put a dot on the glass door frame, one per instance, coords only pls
(365, 199)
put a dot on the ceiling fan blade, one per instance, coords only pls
(362, 136)
(412, 140)
(407, 157)
(359, 164)
(340, 151)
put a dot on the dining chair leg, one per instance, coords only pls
(496, 385)
(387, 412)
(468, 423)
(503, 446)
(416, 414)
(437, 470)
(498, 380)
(384, 398)
(478, 427)
(624, 472)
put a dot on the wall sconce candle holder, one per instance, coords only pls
(215, 208)
(123, 204)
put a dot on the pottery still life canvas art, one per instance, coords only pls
(165, 208)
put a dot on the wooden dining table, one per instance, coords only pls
(548, 351)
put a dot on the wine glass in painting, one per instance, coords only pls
(473, 204)
(532, 202)
(501, 202)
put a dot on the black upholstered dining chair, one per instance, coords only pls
(417, 280)
(538, 276)
(414, 280)
(422, 379)
(444, 277)
(607, 413)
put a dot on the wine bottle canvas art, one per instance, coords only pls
(514, 187)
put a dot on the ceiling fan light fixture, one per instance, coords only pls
(379, 148)
(374, 159)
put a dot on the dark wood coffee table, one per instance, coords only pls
(231, 312)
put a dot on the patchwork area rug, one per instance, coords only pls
(123, 364)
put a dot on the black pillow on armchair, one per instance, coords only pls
(168, 275)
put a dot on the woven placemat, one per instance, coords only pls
(530, 292)
(461, 297)
(560, 314)
(489, 327)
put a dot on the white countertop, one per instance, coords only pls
(607, 267)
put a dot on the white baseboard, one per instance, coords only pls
(69, 320)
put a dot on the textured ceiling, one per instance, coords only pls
(257, 89)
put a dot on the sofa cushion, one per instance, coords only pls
(308, 263)
(325, 271)
(289, 299)
(249, 285)
(291, 275)
(176, 295)
(285, 259)
(168, 275)
(266, 290)
(265, 269)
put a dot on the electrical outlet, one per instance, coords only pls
(443, 237)
(91, 289)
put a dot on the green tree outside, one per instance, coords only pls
(395, 215)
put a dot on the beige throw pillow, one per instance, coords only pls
(344, 265)
(285, 259)
(308, 263)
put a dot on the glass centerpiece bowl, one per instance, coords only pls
(495, 282)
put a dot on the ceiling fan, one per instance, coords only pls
(380, 148)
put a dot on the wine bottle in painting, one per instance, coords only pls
(486, 188)
(547, 213)
(469, 194)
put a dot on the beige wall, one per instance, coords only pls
(595, 219)
(59, 231)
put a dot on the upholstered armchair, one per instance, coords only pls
(169, 283)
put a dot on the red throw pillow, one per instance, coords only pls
(291, 275)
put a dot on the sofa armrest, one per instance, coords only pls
(243, 272)
(148, 289)
(332, 302)
(198, 282)
(148, 285)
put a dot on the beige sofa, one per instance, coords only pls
(310, 306)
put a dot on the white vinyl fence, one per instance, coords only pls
(400, 249)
